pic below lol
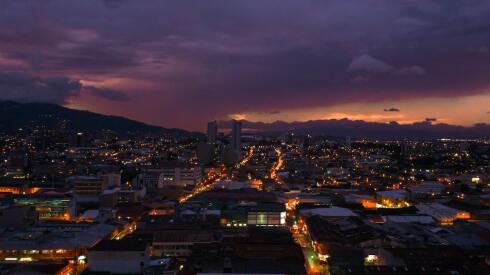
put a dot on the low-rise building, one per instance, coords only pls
(267, 214)
(149, 178)
(180, 242)
(392, 198)
(443, 214)
(88, 185)
(50, 207)
(17, 216)
(428, 189)
(180, 175)
(52, 242)
(119, 256)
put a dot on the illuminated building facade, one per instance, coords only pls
(179, 175)
(51, 243)
(88, 185)
(50, 208)
(392, 199)
(267, 214)
(149, 178)
(19, 190)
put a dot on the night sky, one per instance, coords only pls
(183, 63)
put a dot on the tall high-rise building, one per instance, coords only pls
(236, 136)
(212, 131)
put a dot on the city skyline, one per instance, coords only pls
(244, 137)
(184, 64)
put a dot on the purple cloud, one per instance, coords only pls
(205, 60)
(366, 63)
(108, 94)
(27, 88)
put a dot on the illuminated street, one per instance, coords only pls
(72, 269)
(128, 229)
(206, 183)
(312, 263)
(278, 165)
(246, 158)
(212, 177)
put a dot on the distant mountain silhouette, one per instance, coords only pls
(14, 115)
(363, 129)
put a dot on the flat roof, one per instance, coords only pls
(120, 245)
(64, 236)
(333, 211)
(393, 194)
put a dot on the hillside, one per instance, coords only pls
(14, 115)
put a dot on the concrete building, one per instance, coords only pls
(267, 214)
(443, 214)
(52, 242)
(181, 242)
(78, 140)
(17, 216)
(119, 256)
(427, 189)
(236, 136)
(49, 207)
(205, 153)
(17, 162)
(112, 179)
(88, 185)
(212, 133)
(179, 175)
(328, 212)
(149, 178)
(228, 156)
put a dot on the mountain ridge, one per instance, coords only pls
(15, 115)
(364, 129)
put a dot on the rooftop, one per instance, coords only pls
(120, 245)
(61, 236)
(333, 211)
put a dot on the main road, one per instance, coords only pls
(214, 176)
(278, 165)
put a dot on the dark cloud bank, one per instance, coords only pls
(207, 59)
(26, 88)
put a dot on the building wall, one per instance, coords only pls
(266, 218)
(112, 179)
(89, 186)
(212, 132)
(51, 208)
(236, 136)
(180, 176)
(149, 178)
(172, 249)
(17, 217)
(116, 261)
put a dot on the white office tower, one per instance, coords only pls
(212, 132)
(236, 136)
